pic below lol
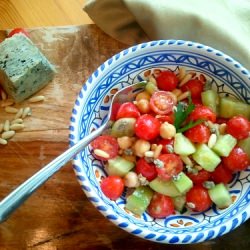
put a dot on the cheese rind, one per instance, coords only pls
(24, 70)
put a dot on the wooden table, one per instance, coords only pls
(58, 215)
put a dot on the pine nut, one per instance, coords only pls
(212, 140)
(3, 95)
(11, 110)
(6, 125)
(3, 141)
(186, 78)
(19, 113)
(157, 151)
(182, 73)
(198, 167)
(1, 127)
(8, 134)
(186, 160)
(37, 98)
(101, 153)
(7, 102)
(16, 121)
(149, 154)
(222, 128)
(26, 112)
(183, 96)
(177, 92)
(16, 126)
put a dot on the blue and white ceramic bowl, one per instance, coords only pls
(92, 105)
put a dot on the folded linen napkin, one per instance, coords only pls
(223, 24)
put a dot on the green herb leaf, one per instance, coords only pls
(190, 125)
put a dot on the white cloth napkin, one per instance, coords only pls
(221, 24)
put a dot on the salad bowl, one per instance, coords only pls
(226, 76)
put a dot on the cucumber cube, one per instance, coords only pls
(210, 99)
(206, 158)
(245, 145)
(224, 145)
(164, 187)
(220, 196)
(179, 203)
(119, 166)
(183, 183)
(182, 145)
(139, 200)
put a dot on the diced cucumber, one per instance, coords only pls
(119, 166)
(245, 145)
(179, 203)
(229, 107)
(182, 145)
(183, 183)
(210, 98)
(224, 145)
(139, 200)
(164, 187)
(123, 127)
(220, 196)
(206, 158)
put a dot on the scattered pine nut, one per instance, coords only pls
(198, 167)
(222, 128)
(101, 153)
(182, 73)
(3, 141)
(16, 121)
(8, 134)
(186, 78)
(157, 151)
(212, 140)
(3, 95)
(26, 112)
(16, 126)
(149, 154)
(177, 92)
(19, 113)
(186, 160)
(183, 96)
(37, 98)
(1, 127)
(6, 125)
(7, 102)
(11, 110)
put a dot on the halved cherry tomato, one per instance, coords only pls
(18, 30)
(167, 145)
(127, 109)
(162, 102)
(112, 187)
(199, 198)
(147, 127)
(200, 177)
(221, 174)
(238, 127)
(195, 87)
(173, 165)
(160, 206)
(198, 134)
(237, 160)
(202, 113)
(106, 143)
(167, 80)
(148, 170)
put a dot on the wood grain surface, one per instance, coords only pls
(58, 215)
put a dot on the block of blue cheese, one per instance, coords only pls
(24, 70)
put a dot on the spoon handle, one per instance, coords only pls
(11, 202)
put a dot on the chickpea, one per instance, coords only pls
(125, 142)
(143, 106)
(131, 180)
(144, 95)
(167, 130)
(140, 147)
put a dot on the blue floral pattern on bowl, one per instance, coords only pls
(226, 75)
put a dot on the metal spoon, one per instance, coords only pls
(11, 202)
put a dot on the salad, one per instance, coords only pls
(175, 147)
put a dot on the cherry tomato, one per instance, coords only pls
(160, 206)
(168, 145)
(237, 160)
(112, 187)
(200, 177)
(106, 143)
(221, 174)
(173, 165)
(166, 118)
(195, 87)
(198, 134)
(203, 113)
(167, 81)
(238, 127)
(147, 127)
(162, 102)
(18, 30)
(146, 169)
(199, 198)
(127, 109)
(114, 111)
